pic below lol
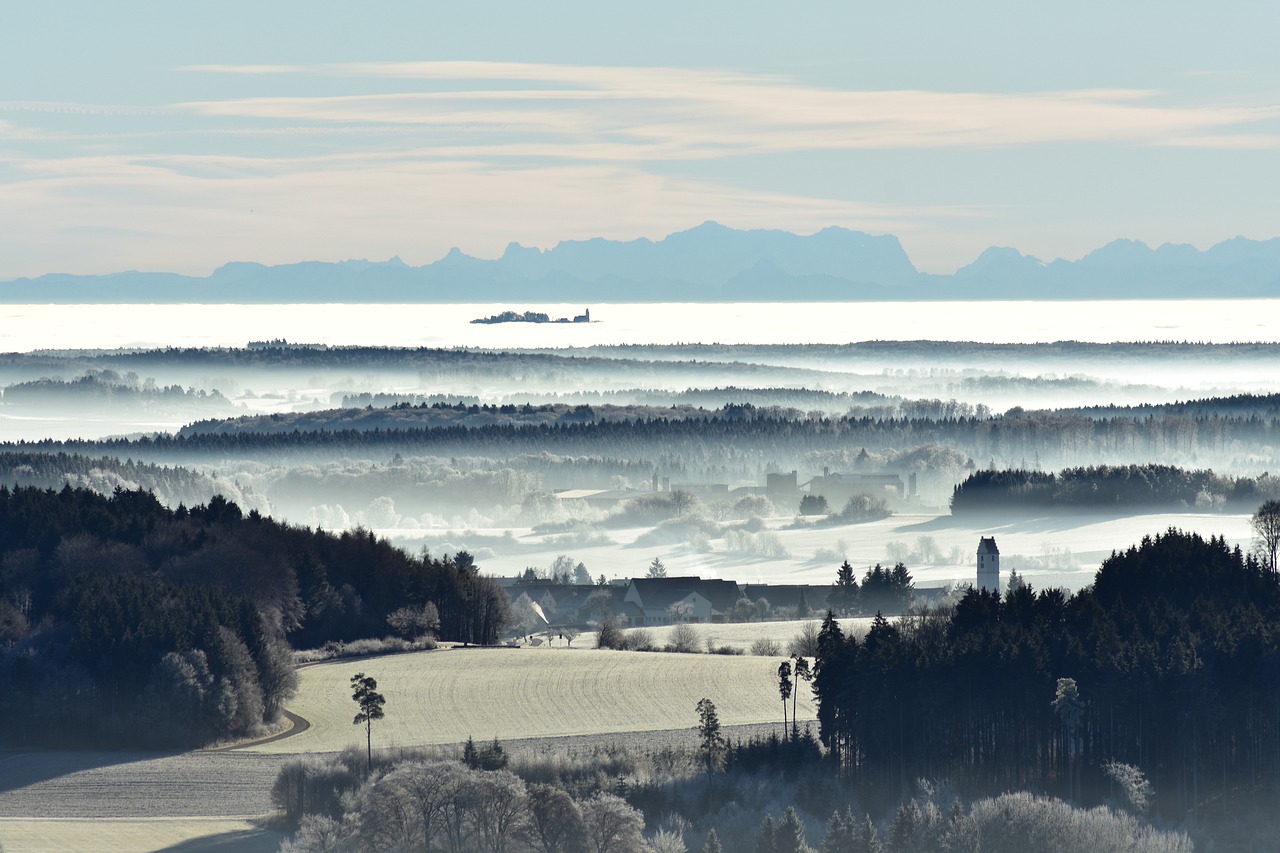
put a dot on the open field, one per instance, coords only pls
(447, 696)
(137, 835)
(116, 802)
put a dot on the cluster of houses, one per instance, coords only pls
(663, 601)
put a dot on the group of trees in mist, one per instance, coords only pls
(1169, 662)
(172, 485)
(106, 389)
(1106, 487)
(114, 609)
(448, 806)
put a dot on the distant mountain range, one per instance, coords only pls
(709, 263)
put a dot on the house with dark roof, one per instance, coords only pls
(662, 601)
(789, 595)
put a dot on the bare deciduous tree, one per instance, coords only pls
(612, 826)
(1266, 523)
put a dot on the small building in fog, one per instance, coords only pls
(838, 488)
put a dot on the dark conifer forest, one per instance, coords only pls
(1170, 662)
(188, 617)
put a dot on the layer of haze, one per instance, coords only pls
(26, 328)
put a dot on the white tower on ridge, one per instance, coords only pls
(988, 565)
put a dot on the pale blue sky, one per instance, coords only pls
(179, 136)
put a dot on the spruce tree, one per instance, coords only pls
(712, 844)
(904, 828)
(789, 836)
(766, 839)
(838, 837)
(865, 837)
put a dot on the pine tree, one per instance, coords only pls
(784, 690)
(789, 837)
(712, 844)
(904, 828)
(839, 836)
(865, 837)
(709, 732)
(844, 596)
(766, 839)
(371, 702)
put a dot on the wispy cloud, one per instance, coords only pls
(415, 157)
(200, 211)
(696, 113)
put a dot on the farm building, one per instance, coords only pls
(662, 601)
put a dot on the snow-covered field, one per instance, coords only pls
(447, 696)
(137, 835)
(119, 802)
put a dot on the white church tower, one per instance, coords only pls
(988, 565)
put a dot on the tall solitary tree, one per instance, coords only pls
(657, 569)
(1266, 523)
(370, 701)
(709, 731)
(784, 690)
(801, 672)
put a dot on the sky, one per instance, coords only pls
(182, 136)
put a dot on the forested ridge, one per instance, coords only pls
(188, 615)
(1100, 488)
(1169, 662)
(742, 430)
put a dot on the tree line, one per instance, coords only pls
(727, 440)
(1099, 487)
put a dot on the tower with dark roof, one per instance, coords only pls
(988, 565)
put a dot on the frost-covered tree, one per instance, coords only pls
(789, 837)
(838, 837)
(866, 838)
(612, 826)
(1134, 787)
(767, 837)
(667, 841)
(411, 623)
(554, 822)
(498, 806)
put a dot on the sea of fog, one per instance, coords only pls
(24, 328)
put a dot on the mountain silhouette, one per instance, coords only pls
(709, 263)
